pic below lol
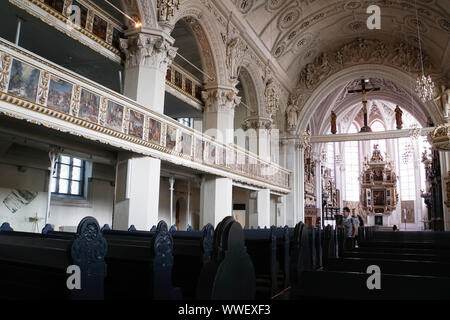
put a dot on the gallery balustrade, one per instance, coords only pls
(42, 92)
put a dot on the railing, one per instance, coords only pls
(102, 32)
(185, 83)
(37, 90)
(90, 25)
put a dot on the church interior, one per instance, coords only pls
(213, 147)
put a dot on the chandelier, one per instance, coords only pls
(167, 8)
(424, 84)
(424, 88)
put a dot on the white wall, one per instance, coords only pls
(65, 213)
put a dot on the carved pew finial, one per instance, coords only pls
(88, 253)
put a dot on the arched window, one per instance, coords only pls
(378, 126)
(352, 168)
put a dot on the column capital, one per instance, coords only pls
(148, 50)
(257, 123)
(220, 99)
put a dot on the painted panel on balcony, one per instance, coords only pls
(58, 5)
(186, 144)
(59, 95)
(114, 116)
(24, 80)
(136, 125)
(171, 137)
(99, 27)
(89, 106)
(154, 131)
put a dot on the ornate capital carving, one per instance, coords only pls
(257, 123)
(220, 100)
(148, 50)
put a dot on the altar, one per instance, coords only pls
(379, 195)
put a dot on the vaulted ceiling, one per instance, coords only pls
(297, 31)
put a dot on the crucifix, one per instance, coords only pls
(364, 91)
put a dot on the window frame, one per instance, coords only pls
(57, 176)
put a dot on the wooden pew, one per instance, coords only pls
(229, 275)
(140, 265)
(283, 257)
(192, 249)
(261, 246)
(34, 266)
(300, 254)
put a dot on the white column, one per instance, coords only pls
(148, 57)
(138, 179)
(216, 200)
(218, 118)
(263, 208)
(301, 184)
(137, 193)
(171, 183)
(188, 221)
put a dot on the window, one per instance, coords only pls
(352, 170)
(407, 172)
(186, 121)
(377, 126)
(68, 178)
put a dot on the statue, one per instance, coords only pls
(333, 122)
(292, 116)
(398, 118)
(445, 98)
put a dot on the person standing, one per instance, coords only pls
(355, 221)
(349, 229)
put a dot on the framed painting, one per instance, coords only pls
(178, 79)
(199, 147)
(154, 131)
(169, 74)
(188, 86)
(379, 197)
(99, 27)
(212, 153)
(136, 124)
(378, 174)
(198, 92)
(186, 144)
(59, 95)
(24, 81)
(89, 106)
(81, 20)
(58, 5)
(116, 35)
(114, 116)
(171, 137)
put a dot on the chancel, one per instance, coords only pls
(224, 150)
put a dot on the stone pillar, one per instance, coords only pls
(295, 201)
(218, 118)
(263, 208)
(216, 200)
(280, 209)
(136, 194)
(147, 58)
(259, 133)
(138, 178)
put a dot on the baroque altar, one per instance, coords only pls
(378, 185)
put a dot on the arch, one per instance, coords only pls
(340, 78)
(200, 19)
